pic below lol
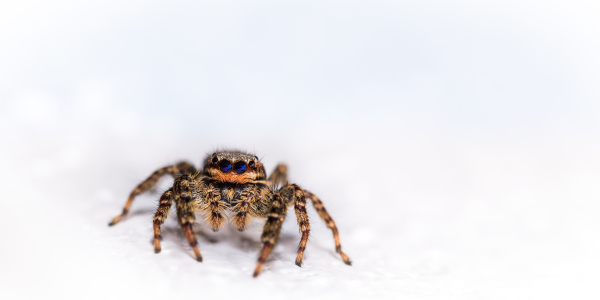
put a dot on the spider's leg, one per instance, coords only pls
(278, 177)
(330, 223)
(174, 170)
(164, 205)
(294, 194)
(186, 206)
(272, 229)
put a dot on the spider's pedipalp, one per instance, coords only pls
(242, 218)
(212, 205)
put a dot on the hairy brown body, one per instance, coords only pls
(233, 181)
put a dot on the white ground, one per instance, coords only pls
(455, 145)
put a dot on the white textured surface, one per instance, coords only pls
(455, 145)
(475, 221)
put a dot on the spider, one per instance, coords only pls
(233, 181)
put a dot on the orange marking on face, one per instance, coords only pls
(233, 177)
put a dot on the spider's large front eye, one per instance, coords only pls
(225, 166)
(240, 167)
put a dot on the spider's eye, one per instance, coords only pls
(225, 166)
(215, 160)
(251, 164)
(240, 167)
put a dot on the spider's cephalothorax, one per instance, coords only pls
(233, 181)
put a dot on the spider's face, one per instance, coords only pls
(234, 167)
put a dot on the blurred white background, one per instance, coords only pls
(455, 143)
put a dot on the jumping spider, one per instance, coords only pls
(233, 181)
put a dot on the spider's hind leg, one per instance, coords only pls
(330, 223)
(278, 177)
(174, 170)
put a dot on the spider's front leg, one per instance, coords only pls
(186, 207)
(174, 170)
(272, 229)
(164, 205)
(294, 194)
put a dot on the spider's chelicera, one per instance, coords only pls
(237, 182)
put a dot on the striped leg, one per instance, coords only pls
(278, 177)
(294, 194)
(329, 221)
(164, 205)
(182, 193)
(271, 230)
(174, 170)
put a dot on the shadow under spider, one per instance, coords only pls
(145, 212)
(248, 240)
